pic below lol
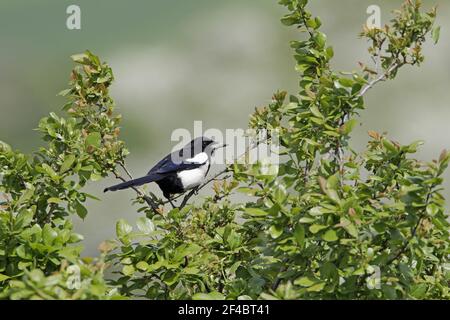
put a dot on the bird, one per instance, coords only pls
(179, 171)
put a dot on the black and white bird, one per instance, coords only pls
(179, 171)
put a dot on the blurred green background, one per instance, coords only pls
(177, 61)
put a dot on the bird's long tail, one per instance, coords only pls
(135, 182)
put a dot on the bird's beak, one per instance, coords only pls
(218, 145)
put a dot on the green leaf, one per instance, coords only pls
(389, 145)
(289, 20)
(275, 231)
(317, 287)
(48, 234)
(123, 228)
(330, 52)
(80, 209)
(142, 265)
(255, 212)
(348, 126)
(67, 164)
(299, 234)
(186, 250)
(330, 236)
(435, 34)
(94, 139)
(208, 296)
(306, 220)
(233, 240)
(145, 225)
(80, 58)
(305, 281)
(346, 82)
(418, 291)
(315, 111)
(349, 227)
(128, 270)
(320, 39)
(24, 217)
(316, 228)
(52, 174)
(3, 277)
(54, 200)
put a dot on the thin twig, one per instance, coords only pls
(140, 193)
(381, 77)
(196, 190)
(302, 13)
(122, 165)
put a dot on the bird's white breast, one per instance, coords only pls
(193, 178)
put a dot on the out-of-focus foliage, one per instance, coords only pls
(328, 223)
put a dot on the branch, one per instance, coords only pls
(381, 77)
(122, 165)
(196, 190)
(302, 14)
(139, 192)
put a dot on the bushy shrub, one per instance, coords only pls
(327, 223)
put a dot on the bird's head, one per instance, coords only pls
(204, 144)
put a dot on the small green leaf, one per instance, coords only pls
(54, 200)
(186, 250)
(24, 217)
(275, 231)
(145, 225)
(330, 236)
(316, 228)
(80, 58)
(80, 209)
(315, 111)
(348, 126)
(142, 265)
(349, 227)
(208, 296)
(389, 145)
(123, 228)
(317, 287)
(435, 34)
(305, 281)
(94, 139)
(67, 164)
(48, 234)
(3, 277)
(128, 270)
(255, 212)
(299, 234)
(52, 174)
(346, 82)
(306, 220)
(320, 39)
(330, 52)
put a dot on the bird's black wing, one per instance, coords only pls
(167, 165)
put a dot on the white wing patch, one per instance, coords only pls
(199, 158)
(195, 177)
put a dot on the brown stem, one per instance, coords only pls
(140, 193)
(381, 77)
